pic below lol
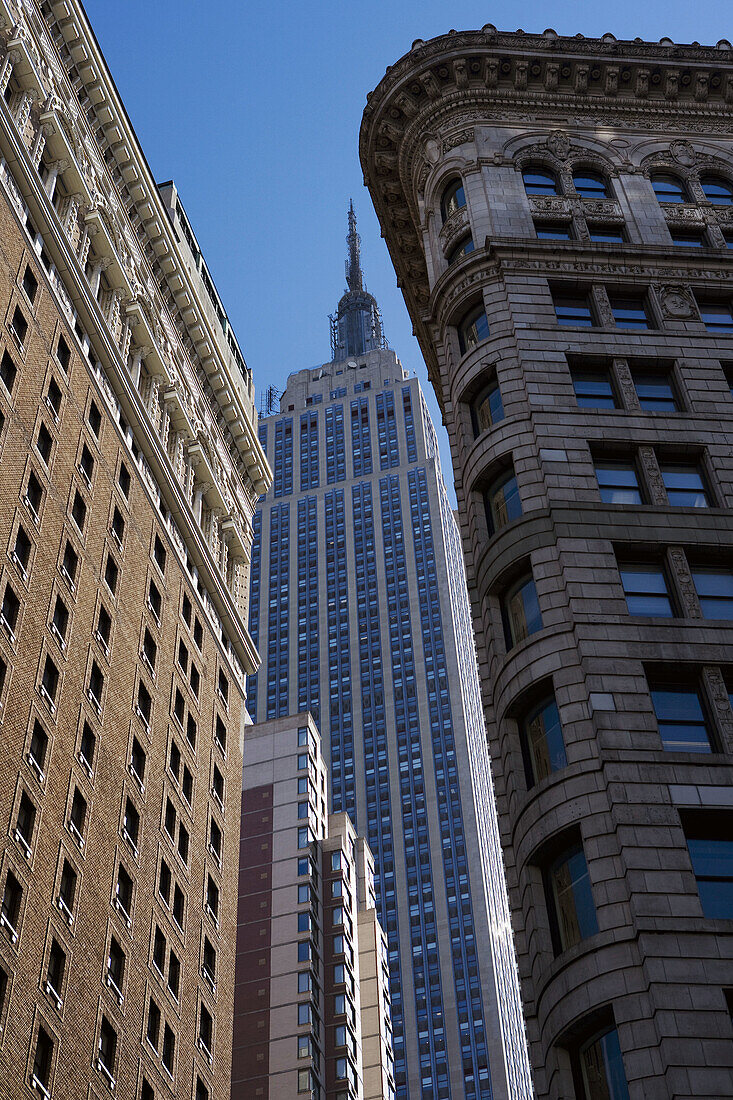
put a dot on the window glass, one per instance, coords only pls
(503, 502)
(473, 329)
(487, 409)
(685, 487)
(687, 239)
(646, 591)
(605, 234)
(574, 311)
(540, 181)
(464, 246)
(681, 720)
(544, 744)
(618, 483)
(602, 1068)
(629, 312)
(655, 392)
(717, 190)
(559, 232)
(591, 185)
(571, 898)
(521, 612)
(715, 592)
(668, 188)
(711, 852)
(594, 390)
(454, 199)
(716, 315)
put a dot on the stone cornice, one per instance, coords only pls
(431, 100)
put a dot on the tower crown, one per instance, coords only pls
(356, 327)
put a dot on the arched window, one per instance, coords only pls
(473, 329)
(668, 188)
(540, 181)
(454, 198)
(464, 246)
(591, 185)
(717, 190)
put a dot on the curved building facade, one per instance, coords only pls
(559, 212)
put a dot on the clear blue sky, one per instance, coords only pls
(254, 110)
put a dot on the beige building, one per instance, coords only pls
(130, 472)
(559, 212)
(312, 1010)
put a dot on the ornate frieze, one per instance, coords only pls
(676, 302)
(550, 207)
(685, 584)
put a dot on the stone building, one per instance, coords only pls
(559, 212)
(358, 603)
(312, 1012)
(130, 474)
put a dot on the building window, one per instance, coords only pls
(542, 741)
(63, 354)
(618, 483)
(591, 185)
(681, 719)
(655, 392)
(107, 1049)
(521, 612)
(717, 190)
(715, 592)
(547, 231)
(710, 844)
(44, 443)
(599, 1069)
(540, 181)
(685, 486)
(605, 234)
(95, 418)
(594, 390)
(687, 238)
(629, 312)
(453, 199)
(472, 329)
(461, 249)
(569, 898)
(645, 588)
(42, 1060)
(503, 503)
(8, 372)
(716, 315)
(53, 398)
(668, 188)
(116, 965)
(487, 409)
(575, 311)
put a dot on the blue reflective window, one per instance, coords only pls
(543, 741)
(629, 312)
(668, 188)
(645, 587)
(604, 234)
(453, 200)
(687, 239)
(487, 409)
(681, 720)
(711, 851)
(618, 483)
(716, 315)
(547, 231)
(591, 185)
(717, 190)
(472, 329)
(540, 181)
(715, 592)
(464, 246)
(655, 392)
(685, 486)
(574, 310)
(521, 612)
(503, 503)
(570, 899)
(594, 390)
(602, 1068)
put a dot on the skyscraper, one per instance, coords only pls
(358, 604)
(560, 212)
(130, 470)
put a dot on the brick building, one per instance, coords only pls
(312, 1009)
(130, 471)
(559, 212)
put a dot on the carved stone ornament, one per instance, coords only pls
(653, 475)
(677, 212)
(559, 144)
(676, 302)
(548, 207)
(626, 384)
(454, 140)
(682, 152)
(685, 583)
(718, 690)
(455, 225)
(604, 210)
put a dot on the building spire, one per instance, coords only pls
(354, 276)
(356, 327)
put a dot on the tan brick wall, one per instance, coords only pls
(86, 996)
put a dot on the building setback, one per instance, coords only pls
(130, 471)
(559, 213)
(311, 1012)
(359, 605)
